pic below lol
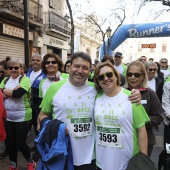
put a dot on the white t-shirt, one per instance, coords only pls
(119, 68)
(34, 75)
(18, 109)
(166, 73)
(152, 84)
(117, 121)
(74, 106)
(45, 84)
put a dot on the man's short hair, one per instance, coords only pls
(82, 55)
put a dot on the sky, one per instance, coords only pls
(102, 9)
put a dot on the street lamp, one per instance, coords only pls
(108, 33)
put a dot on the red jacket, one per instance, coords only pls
(2, 118)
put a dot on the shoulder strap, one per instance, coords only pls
(5, 81)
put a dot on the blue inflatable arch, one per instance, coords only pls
(161, 29)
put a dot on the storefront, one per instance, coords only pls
(55, 46)
(12, 42)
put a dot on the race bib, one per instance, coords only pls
(81, 127)
(109, 137)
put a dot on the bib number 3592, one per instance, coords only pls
(81, 127)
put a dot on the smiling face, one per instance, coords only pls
(79, 71)
(36, 63)
(134, 81)
(151, 72)
(109, 83)
(14, 69)
(51, 65)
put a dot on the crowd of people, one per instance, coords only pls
(108, 110)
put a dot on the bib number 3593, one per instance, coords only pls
(81, 127)
(109, 137)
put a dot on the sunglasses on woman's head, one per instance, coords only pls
(107, 74)
(15, 68)
(137, 75)
(52, 62)
(152, 69)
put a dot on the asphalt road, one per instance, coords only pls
(4, 164)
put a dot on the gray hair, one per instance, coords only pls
(15, 60)
(36, 55)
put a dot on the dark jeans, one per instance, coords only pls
(166, 135)
(86, 166)
(35, 112)
(16, 135)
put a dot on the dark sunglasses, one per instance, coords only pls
(15, 68)
(52, 62)
(152, 69)
(137, 75)
(2, 72)
(143, 59)
(102, 76)
(164, 62)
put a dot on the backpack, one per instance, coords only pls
(5, 81)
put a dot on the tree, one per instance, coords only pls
(99, 23)
(72, 27)
(159, 12)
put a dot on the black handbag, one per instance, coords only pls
(141, 162)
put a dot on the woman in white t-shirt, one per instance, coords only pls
(16, 94)
(52, 66)
(120, 124)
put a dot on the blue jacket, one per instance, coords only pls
(54, 146)
(35, 84)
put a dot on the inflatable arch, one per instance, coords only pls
(161, 29)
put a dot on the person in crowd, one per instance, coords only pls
(159, 73)
(143, 59)
(151, 59)
(136, 78)
(2, 119)
(52, 67)
(107, 58)
(154, 82)
(120, 124)
(92, 70)
(75, 108)
(67, 66)
(4, 72)
(35, 75)
(120, 67)
(16, 94)
(164, 68)
(166, 112)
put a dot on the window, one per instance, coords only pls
(164, 47)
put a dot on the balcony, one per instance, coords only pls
(55, 23)
(15, 11)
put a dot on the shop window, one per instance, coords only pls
(164, 47)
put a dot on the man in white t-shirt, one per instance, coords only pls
(35, 75)
(72, 101)
(119, 66)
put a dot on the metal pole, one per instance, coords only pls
(26, 35)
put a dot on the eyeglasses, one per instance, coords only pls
(164, 62)
(15, 68)
(107, 74)
(52, 62)
(137, 75)
(143, 59)
(152, 69)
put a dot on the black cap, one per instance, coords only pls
(118, 54)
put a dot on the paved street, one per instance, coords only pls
(4, 164)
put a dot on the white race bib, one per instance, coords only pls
(81, 126)
(109, 137)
